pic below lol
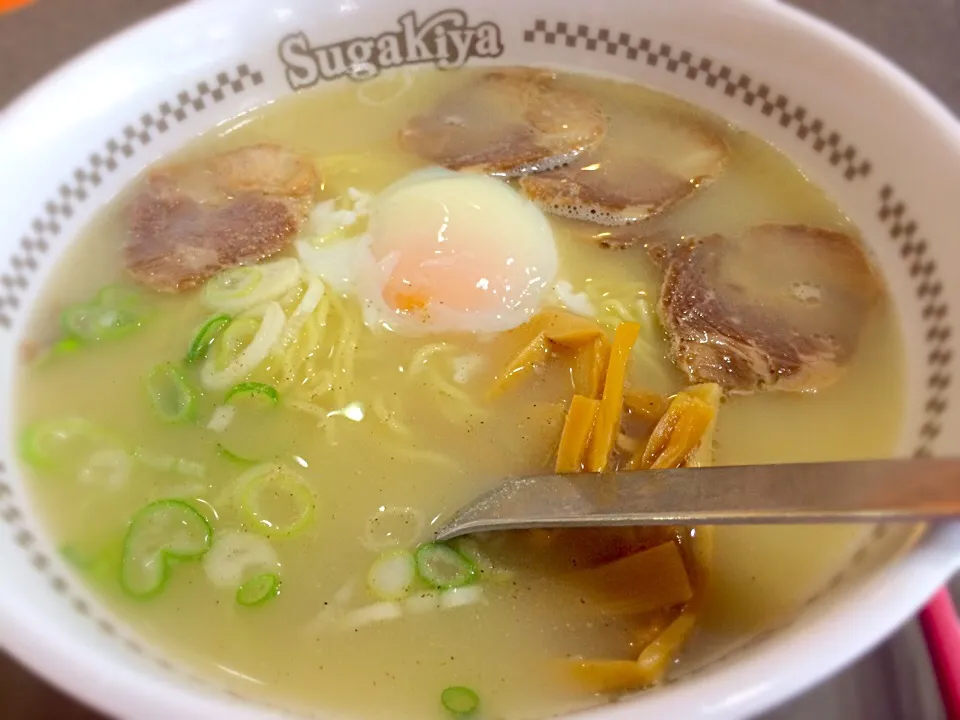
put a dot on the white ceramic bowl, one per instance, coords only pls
(860, 128)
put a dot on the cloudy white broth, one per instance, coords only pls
(270, 369)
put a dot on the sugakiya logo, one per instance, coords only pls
(445, 39)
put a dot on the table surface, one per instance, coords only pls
(894, 682)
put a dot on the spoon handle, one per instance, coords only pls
(862, 491)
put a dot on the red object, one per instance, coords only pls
(8, 5)
(941, 628)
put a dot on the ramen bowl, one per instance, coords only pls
(856, 125)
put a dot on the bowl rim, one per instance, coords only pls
(883, 602)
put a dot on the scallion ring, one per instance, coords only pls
(63, 346)
(244, 344)
(159, 534)
(237, 556)
(206, 336)
(470, 549)
(443, 567)
(460, 701)
(274, 500)
(392, 575)
(232, 284)
(115, 311)
(170, 394)
(233, 457)
(52, 444)
(253, 389)
(242, 288)
(258, 590)
(93, 322)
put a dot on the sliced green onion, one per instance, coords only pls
(206, 336)
(253, 389)
(221, 417)
(233, 284)
(461, 597)
(443, 567)
(258, 590)
(460, 701)
(64, 346)
(242, 288)
(237, 555)
(233, 457)
(170, 394)
(115, 311)
(246, 342)
(236, 338)
(160, 533)
(275, 500)
(97, 322)
(470, 549)
(53, 443)
(392, 575)
(81, 321)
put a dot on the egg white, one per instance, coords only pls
(349, 266)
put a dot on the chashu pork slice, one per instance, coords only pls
(190, 220)
(778, 307)
(508, 123)
(648, 161)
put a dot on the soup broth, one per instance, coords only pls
(383, 433)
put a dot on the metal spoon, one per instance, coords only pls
(862, 491)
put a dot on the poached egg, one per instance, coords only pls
(444, 252)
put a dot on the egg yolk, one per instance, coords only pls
(464, 245)
(443, 270)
